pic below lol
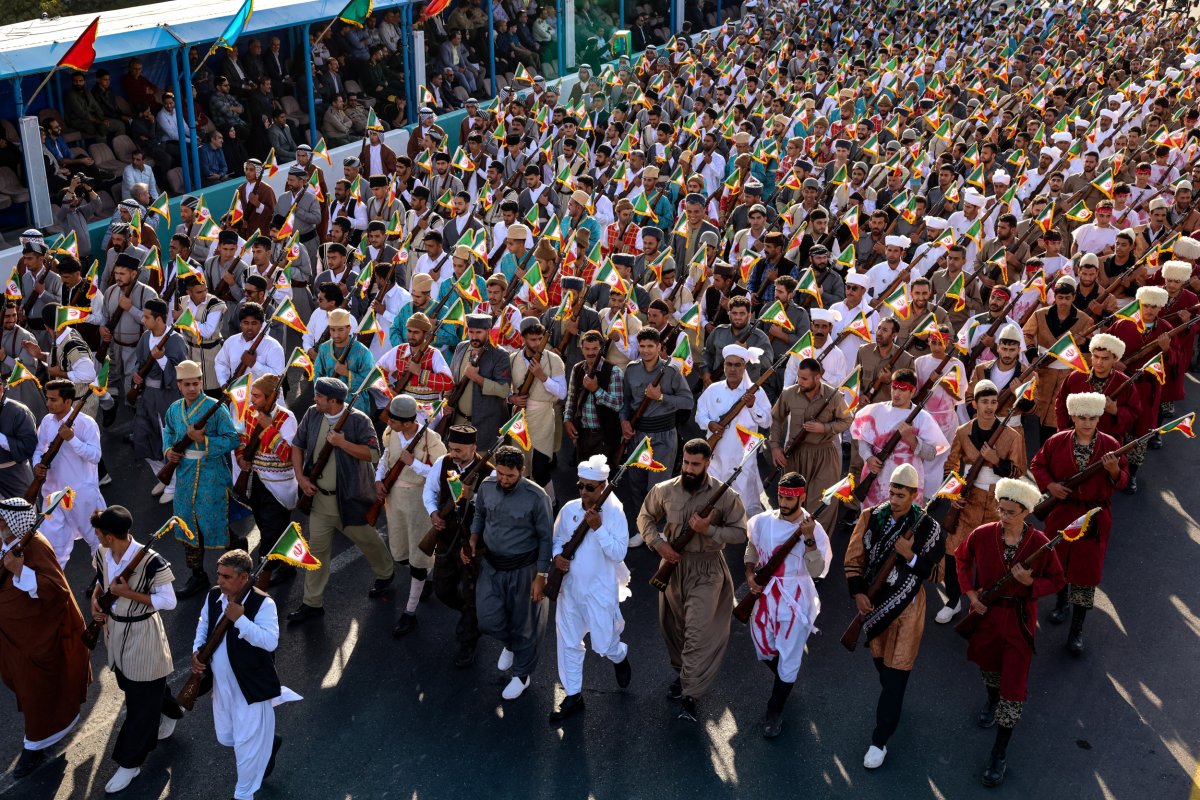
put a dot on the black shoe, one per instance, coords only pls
(305, 613)
(275, 745)
(675, 690)
(1155, 442)
(1060, 613)
(571, 704)
(109, 416)
(1075, 637)
(772, 724)
(28, 762)
(687, 708)
(987, 714)
(281, 575)
(127, 438)
(380, 587)
(197, 583)
(1132, 487)
(405, 625)
(465, 657)
(993, 773)
(624, 672)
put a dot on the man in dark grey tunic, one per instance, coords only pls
(18, 440)
(488, 369)
(159, 390)
(513, 520)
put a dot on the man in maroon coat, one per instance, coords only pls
(1063, 455)
(1180, 309)
(1002, 645)
(1153, 331)
(1123, 406)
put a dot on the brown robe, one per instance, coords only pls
(819, 456)
(1051, 376)
(981, 505)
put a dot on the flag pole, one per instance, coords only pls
(211, 50)
(328, 28)
(41, 85)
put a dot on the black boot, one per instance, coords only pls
(405, 625)
(28, 762)
(675, 690)
(687, 708)
(993, 773)
(465, 657)
(1075, 637)
(1155, 442)
(1059, 615)
(571, 704)
(197, 583)
(623, 671)
(987, 714)
(772, 723)
(276, 743)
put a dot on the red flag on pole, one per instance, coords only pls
(83, 52)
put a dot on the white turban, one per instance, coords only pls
(824, 315)
(897, 241)
(595, 468)
(738, 351)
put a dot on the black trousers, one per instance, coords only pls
(270, 515)
(145, 701)
(953, 590)
(893, 682)
(454, 585)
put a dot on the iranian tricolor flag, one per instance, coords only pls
(860, 327)
(691, 318)
(162, 207)
(1183, 425)
(300, 360)
(803, 348)
(642, 457)
(956, 290)
(1027, 392)
(682, 356)
(1132, 312)
(518, 430)
(808, 285)
(454, 481)
(1080, 527)
(101, 385)
(748, 438)
(842, 490)
(286, 313)
(776, 315)
(70, 315)
(1066, 351)
(292, 549)
(955, 381)
(898, 301)
(1156, 369)
(851, 386)
(239, 398)
(19, 375)
(952, 487)
(537, 284)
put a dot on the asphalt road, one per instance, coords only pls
(388, 719)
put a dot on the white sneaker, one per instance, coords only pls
(874, 757)
(166, 726)
(121, 780)
(636, 540)
(947, 613)
(167, 497)
(158, 489)
(505, 661)
(516, 687)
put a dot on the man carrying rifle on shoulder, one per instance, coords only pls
(341, 492)
(489, 373)
(694, 608)
(895, 546)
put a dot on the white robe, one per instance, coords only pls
(787, 612)
(849, 346)
(836, 365)
(592, 590)
(249, 728)
(873, 426)
(714, 402)
(74, 466)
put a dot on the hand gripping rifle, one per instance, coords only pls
(470, 480)
(796, 441)
(102, 350)
(305, 503)
(640, 411)
(680, 542)
(456, 395)
(745, 606)
(35, 488)
(389, 480)
(854, 630)
(554, 583)
(746, 399)
(1043, 509)
(135, 391)
(91, 634)
(241, 487)
(165, 474)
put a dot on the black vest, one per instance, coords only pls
(253, 667)
(454, 523)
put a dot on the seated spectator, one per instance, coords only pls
(509, 51)
(642, 35)
(260, 105)
(234, 147)
(84, 114)
(213, 167)
(76, 206)
(253, 62)
(277, 69)
(139, 91)
(357, 112)
(545, 33)
(336, 126)
(332, 82)
(389, 30)
(63, 162)
(355, 41)
(203, 80)
(443, 96)
(279, 136)
(148, 138)
(524, 30)
(453, 55)
(232, 69)
(138, 172)
(377, 79)
(472, 21)
(373, 36)
(107, 98)
(168, 122)
(226, 109)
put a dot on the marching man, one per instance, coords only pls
(787, 613)
(596, 581)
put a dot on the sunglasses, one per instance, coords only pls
(588, 487)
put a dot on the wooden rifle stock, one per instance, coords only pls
(554, 582)
(1043, 509)
(91, 635)
(135, 391)
(34, 491)
(165, 474)
(854, 629)
(950, 522)
(305, 501)
(794, 444)
(1149, 348)
(470, 479)
(389, 480)
(967, 626)
(455, 396)
(102, 350)
(745, 606)
(639, 412)
(748, 397)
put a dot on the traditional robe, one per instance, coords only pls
(981, 506)
(714, 403)
(18, 440)
(1184, 344)
(871, 429)
(942, 405)
(1040, 333)
(203, 478)
(1148, 390)
(818, 456)
(1129, 404)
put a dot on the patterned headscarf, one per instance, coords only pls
(18, 515)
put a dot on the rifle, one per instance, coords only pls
(242, 485)
(967, 626)
(794, 444)
(554, 582)
(191, 689)
(470, 478)
(91, 635)
(745, 606)
(918, 402)
(18, 549)
(854, 629)
(728, 417)
(1043, 509)
(641, 410)
(164, 475)
(665, 568)
(35, 294)
(102, 350)
(135, 391)
(389, 480)
(1147, 349)
(305, 503)
(34, 491)
(993, 329)
(456, 395)
(877, 384)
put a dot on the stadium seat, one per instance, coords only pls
(104, 158)
(123, 148)
(175, 180)
(292, 109)
(11, 187)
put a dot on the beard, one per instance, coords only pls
(691, 482)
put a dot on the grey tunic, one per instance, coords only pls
(516, 522)
(722, 335)
(676, 394)
(488, 411)
(355, 478)
(18, 426)
(159, 394)
(27, 393)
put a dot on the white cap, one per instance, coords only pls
(1048, 152)
(905, 475)
(1176, 271)
(937, 223)
(824, 315)
(974, 199)
(1086, 404)
(1062, 136)
(1152, 296)
(983, 386)
(1000, 176)
(897, 241)
(855, 278)
(1010, 332)
(1108, 342)
(738, 351)
(1108, 112)
(595, 468)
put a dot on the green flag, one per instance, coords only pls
(356, 12)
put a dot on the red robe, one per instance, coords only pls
(1149, 391)
(1004, 640)
(1083, 560)
(1183, 344)
(1129, 404)
(42, 658)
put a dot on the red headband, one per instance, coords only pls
(904, 386)
(789, 491)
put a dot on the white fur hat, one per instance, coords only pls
(1108, 342)
(1186, 248)
(1176, 271)
(1152, 296)
(1021, 492)
(905, 475)
(1086, 404)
